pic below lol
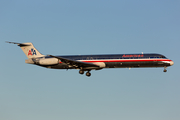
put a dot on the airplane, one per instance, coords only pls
(93, 62)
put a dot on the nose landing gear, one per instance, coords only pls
(165, 69)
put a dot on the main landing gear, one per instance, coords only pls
(81, 72)
(87, 73)
(165, 69)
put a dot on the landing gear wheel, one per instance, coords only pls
(165, 69)
(88, 74)
(81, 72)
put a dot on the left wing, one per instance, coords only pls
(75, 63)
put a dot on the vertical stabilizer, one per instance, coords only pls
(29, 50)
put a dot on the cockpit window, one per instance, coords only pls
(162, 56)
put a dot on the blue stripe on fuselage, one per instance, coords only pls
(113, 56)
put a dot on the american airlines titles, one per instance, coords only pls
(133, 55)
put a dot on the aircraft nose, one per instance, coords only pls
(171, 63)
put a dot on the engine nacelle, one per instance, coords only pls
(49, 61)
(100, 64)
(29, 61)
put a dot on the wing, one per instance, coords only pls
(75, 63)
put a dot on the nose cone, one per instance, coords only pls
(171, 63)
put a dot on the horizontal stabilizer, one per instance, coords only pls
(19, 44)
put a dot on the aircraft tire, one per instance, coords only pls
(88, 74)
(81, 72)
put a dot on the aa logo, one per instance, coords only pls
(32, 52)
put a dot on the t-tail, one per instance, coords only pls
(29, 50)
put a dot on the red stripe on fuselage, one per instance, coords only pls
(128, 60)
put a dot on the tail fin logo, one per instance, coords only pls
(32, 52)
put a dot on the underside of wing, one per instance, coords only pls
(75, 63)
